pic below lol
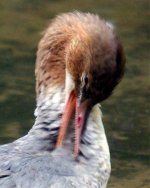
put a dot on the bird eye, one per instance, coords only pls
(86, 80)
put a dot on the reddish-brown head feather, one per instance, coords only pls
(88, 48)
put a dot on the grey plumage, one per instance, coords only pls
(33, 160)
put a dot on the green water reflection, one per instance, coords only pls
(126, 113)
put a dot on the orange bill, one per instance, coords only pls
(82, 113)
(67, 115)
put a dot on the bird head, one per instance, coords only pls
(94, 66)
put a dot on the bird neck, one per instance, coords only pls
(50, 105)
(94, 148)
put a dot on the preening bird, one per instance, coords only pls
(80, 60)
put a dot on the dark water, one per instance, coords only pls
(126, 113)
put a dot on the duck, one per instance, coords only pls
(80, 60)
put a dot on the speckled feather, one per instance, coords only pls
(72, 41)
